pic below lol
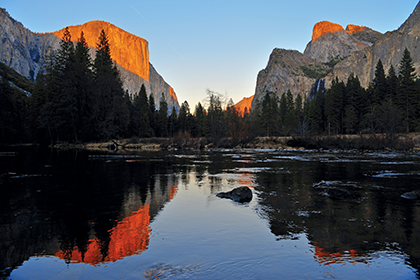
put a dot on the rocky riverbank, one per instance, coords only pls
(339, 142)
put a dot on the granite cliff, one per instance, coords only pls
(389, 49)
(288, 69)
(24, 50)
(331, 42)
(244, 105)
(338, 52)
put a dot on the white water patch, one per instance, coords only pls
(392, 174)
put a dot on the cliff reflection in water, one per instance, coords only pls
(130, 236)
(92, 209)
(372, 220)
(78, 208)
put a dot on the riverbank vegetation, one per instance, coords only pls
(77, 99)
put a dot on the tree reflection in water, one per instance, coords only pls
(92, 209)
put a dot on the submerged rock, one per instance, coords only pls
(241, 194)
(411, 195)
(335, 190)
(338, 193)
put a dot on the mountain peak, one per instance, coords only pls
(323, 27)
(352, 28)
(244, 105)
(129, 51)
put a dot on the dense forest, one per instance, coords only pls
(78, 99)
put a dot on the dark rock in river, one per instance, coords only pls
(411, 195)
(337, 193)
(241, 194)
(334, 190)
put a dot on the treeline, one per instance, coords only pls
(79, 99)
(390, 105)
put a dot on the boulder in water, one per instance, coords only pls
(241, 194)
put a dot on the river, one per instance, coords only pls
(154, 215)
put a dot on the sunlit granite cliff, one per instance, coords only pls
(389, 49)
(331, 42)
(297, 72)
(244, 105)
(337, 52)
(23, 51)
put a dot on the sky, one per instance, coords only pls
(197, 45)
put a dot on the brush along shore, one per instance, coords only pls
(338, 142)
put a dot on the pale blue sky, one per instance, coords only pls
(220, 45)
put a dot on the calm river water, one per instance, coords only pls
(314, 215)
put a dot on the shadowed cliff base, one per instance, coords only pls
(335, 142)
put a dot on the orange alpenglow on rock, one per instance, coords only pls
(324, 27)
(244, 105)
(130, 236)
(351, 28)
(173, 94)
(129, 51)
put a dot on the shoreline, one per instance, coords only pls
(333, 142)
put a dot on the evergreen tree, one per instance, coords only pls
(215, 114)
(111, 114)
(334, 107)
(183, 117)
(7, 110)
(269, 114)
(232, 121)
(172, 122)
(66, 90)
(379, 84)
(408, 93)
(139, 117)
(163, 117)
(392, 84)
(290, 121)
(84, 87)
(152, 114)
(315, 112)
(201, 120)
(355, 105)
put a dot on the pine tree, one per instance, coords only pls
(152, 114)
(334, 107)
(139, 118)
(269, 114)
(201, 120)
(183, 117)
(408, 93)
(7, 110)
(379, 84)
(111, 113)
(392, 84)
(355, 105)
(163, 117)
(290, 121)
(172, 122)
(84, 85)
(215, 114)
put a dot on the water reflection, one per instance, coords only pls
(94, 209)
(78, 208)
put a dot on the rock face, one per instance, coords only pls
(331, 42)
(128, 51)
(244, 105)
(288, 69)
(24, 50)
(241, 194)
(389, 49)
(356, 49)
